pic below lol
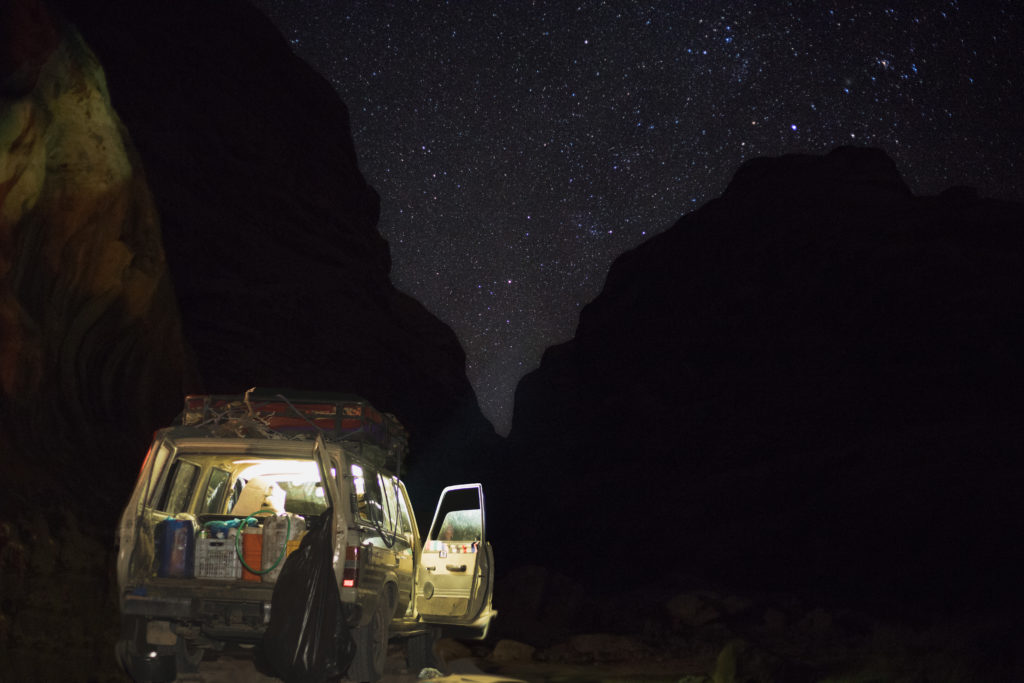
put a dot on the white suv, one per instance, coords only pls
(225, 497)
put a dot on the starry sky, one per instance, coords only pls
(520, 146)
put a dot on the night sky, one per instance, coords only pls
(519, 147)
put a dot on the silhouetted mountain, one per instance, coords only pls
(811, 382)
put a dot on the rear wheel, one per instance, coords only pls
(372, 643)
(147, 667)
(187, 656)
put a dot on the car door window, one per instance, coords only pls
(216, 489)
(178, 492)
(459, 517)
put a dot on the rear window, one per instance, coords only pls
(241, 485)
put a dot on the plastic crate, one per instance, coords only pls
(215, 558)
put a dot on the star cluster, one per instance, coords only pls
(519, 147)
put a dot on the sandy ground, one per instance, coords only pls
(240, 669)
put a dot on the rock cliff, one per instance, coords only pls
(269, 226)
(813, 381)
(91, 352)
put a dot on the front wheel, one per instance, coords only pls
(372, 644)
(421, 652)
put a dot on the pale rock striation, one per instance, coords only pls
(90, 341)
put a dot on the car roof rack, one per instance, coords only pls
(296, 415)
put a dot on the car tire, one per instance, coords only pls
(187, 656)
(421, 653)
(143, 669)
(372, 644)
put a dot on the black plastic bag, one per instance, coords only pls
(308, 640)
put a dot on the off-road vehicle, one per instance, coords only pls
(224, 497)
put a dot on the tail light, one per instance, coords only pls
(350, 577)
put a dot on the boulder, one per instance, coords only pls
(609, 647)
(508, 651)
(692, 610)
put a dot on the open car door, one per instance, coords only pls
(328, 479)
(455, 578)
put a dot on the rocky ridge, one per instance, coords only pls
(809, 383)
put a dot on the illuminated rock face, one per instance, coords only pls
(90, 342)
(814, 380)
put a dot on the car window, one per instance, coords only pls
(236, 491)
(366, 491)
(403, 511)
(216, 489)
(390, 510)
(305, 498)
(460, 525)
(182, 481)
(459, 516)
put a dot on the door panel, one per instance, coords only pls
(453, 583)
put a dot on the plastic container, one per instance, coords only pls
(216, 557)
(219, 529)
(252, 552)
(278, 533)
(175, 540)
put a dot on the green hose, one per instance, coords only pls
(238, 549)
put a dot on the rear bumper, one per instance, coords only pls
(157, 607)
(239, 615)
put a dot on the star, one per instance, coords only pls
(620, 119)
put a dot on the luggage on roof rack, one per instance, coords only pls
(299, 415)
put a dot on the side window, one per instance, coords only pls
(216, 489)
(374, 505)
(387, 485)
(358, 490)
(459, 516)
(181, 483)
(403, 511)
(366, 491)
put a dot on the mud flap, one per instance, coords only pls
(308, 639)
